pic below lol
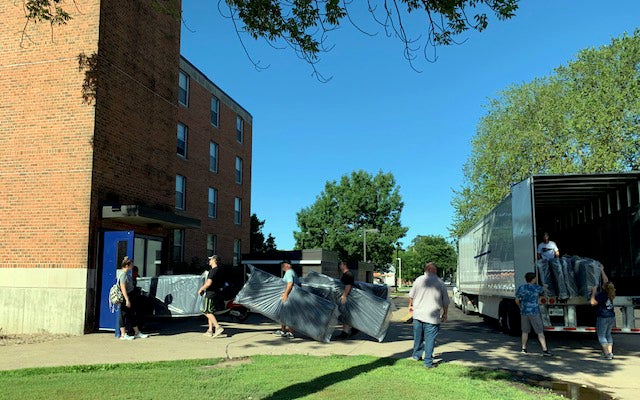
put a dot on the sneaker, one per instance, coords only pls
(208, 333)
(523, 351)
(218, 332)
(342, 335)
(609, 356)
(547, 353)
(416, 359)
(289, 335)
(279, 333)
(141, 335)
(127, 337)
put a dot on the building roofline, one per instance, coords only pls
(207, 83)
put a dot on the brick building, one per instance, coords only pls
(159, 167)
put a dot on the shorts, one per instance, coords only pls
(209, 305)
(531, 321)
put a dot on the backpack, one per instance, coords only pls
(115, 296)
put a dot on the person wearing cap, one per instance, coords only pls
(290, 278)
(209, 289)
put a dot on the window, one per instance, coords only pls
(212, 243)
(213, 157)
(215, 109)
(237, 219)
(182, 140)
(178, 245)
(239, 129)
(236, 252)
(183, 89)
(213, 201)
(180, 192)
(238, 170)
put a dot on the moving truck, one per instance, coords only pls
(595, 216)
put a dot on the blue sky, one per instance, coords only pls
(377, 113)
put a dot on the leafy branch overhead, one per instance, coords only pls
(304, 25)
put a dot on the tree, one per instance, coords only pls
(429, 248)
(257, 242)
(304, 25)
(584, 118)
(343, 211)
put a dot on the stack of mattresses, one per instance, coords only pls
(563, 271)
(568, 277)
(173, 295)
(303, 311)
(587, 273)
(363, 310)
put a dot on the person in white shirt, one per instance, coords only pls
(429, 303)
(547, 250)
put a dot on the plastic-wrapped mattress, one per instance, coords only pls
(363, 310)
(587, 273)
(303, 311)
(172, 295)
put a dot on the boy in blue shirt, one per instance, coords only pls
(527, 299)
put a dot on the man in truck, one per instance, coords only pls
(547, 250)
(527, 299)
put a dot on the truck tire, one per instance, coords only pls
(509, 317)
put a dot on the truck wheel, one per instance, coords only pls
(514, 320)
(509, 317)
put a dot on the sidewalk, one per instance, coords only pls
(463, 339)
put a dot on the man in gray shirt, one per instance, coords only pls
(428, 302)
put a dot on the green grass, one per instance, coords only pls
(266, 377)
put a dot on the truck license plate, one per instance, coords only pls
(556, 311)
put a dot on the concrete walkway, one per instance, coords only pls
(464, 339)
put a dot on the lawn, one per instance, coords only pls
(266, 377)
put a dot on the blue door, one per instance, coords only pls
(117, 244)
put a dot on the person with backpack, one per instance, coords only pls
(128, 313)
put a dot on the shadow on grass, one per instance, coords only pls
(318, 384)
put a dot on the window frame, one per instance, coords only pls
(181, 73)
(212, 244)
(217, 111)
(215, 146)
(239, 170)
(183, 197)
(178, 246)
(185, 132)
(237, 211)
(214, 203)
(239, 129)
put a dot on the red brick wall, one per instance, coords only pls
(196, 169)
(45, 139)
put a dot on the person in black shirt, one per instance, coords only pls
(348, 281)
(210, 291)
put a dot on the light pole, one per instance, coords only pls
(364, 244)
(399, 272)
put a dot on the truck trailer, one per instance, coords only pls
(595, 216)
